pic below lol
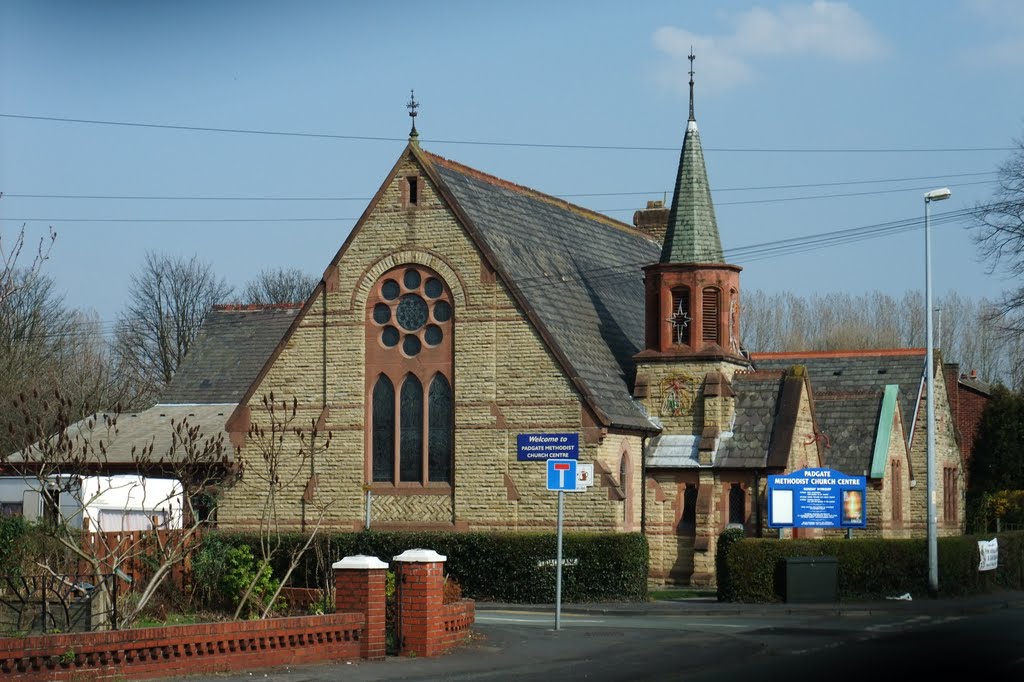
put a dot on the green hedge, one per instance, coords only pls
(499, 567)
(752, 570)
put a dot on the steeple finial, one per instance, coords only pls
(691, 58)
(413, 105)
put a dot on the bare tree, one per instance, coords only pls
(167, 302)
(999, 233)
(279, 286)
(280, 460)
(14, 273)
(56, 466)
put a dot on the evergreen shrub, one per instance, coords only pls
(504, 567)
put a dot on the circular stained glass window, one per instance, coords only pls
(411, 279)
(389, 337)
(411, 312)
(433, 335)
(390, 289)
(381, 313)
(411, 345)
(433, 288)
(442, 311)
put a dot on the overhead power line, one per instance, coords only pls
(491, 143)
(748, 253)
(148, 197)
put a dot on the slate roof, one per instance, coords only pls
(578, 271)
(757, 404)
(692, 235)
(139, 429)
(232, 345)
(850, 423)
(856, 373)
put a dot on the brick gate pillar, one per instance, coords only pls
(359, 586)
(419, 587)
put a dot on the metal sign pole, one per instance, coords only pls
(558, 567)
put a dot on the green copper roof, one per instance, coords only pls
(692, 235)
(880, 455)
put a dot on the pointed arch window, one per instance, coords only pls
(897, 492)
(711, 304)
(409, 360)
(737, 504)
(680, 317)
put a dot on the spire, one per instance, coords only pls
(413, 105)
(692, 235)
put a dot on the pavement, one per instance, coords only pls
(710, 606)
(528, 647)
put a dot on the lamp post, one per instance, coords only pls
(933, 549)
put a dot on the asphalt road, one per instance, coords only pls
(664, 643)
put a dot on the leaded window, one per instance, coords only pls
(737, 504)
(409, 358)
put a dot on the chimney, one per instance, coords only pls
(974, 374)
(653, 220)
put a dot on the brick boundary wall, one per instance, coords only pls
(458, 619)
(428, 626)
(355, 633)
(183, 649)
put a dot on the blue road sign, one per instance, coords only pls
(562, 474)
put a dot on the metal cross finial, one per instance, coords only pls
(691, 58)
(413, 105)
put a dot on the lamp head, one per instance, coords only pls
(937, 194)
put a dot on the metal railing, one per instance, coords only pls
(40, 604)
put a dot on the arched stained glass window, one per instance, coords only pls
(409, 339)
(383, 430)
(411, 466)
(441, 423)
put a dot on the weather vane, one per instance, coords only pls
(691, 58)
(413, 105)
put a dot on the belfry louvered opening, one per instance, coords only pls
(711, 303)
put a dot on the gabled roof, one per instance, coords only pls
(849, 422)
(578, 273)
(232, 345)
(767, 404)
(857, 373)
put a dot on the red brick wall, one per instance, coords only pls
(966, 405)
(183, 649)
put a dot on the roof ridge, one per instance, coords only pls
(838, 353)
(256, 306)
(533, 193)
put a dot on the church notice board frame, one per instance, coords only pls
(817, 498)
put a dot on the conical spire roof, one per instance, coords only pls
(692, 235)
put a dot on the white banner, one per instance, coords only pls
(989, 551)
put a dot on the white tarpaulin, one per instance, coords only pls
(989, 551)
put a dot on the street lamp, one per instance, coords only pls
(933, 549)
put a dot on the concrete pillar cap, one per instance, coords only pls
(421, 556)
(357, 561)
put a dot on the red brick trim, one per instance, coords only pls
(183, 649)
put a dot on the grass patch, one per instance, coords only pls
(675, 593)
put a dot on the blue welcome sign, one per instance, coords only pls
(817, 498)
(539, 447)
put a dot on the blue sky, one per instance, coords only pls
(584, 97)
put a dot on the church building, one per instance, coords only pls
(464, 310)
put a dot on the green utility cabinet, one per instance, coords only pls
(811, 579)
